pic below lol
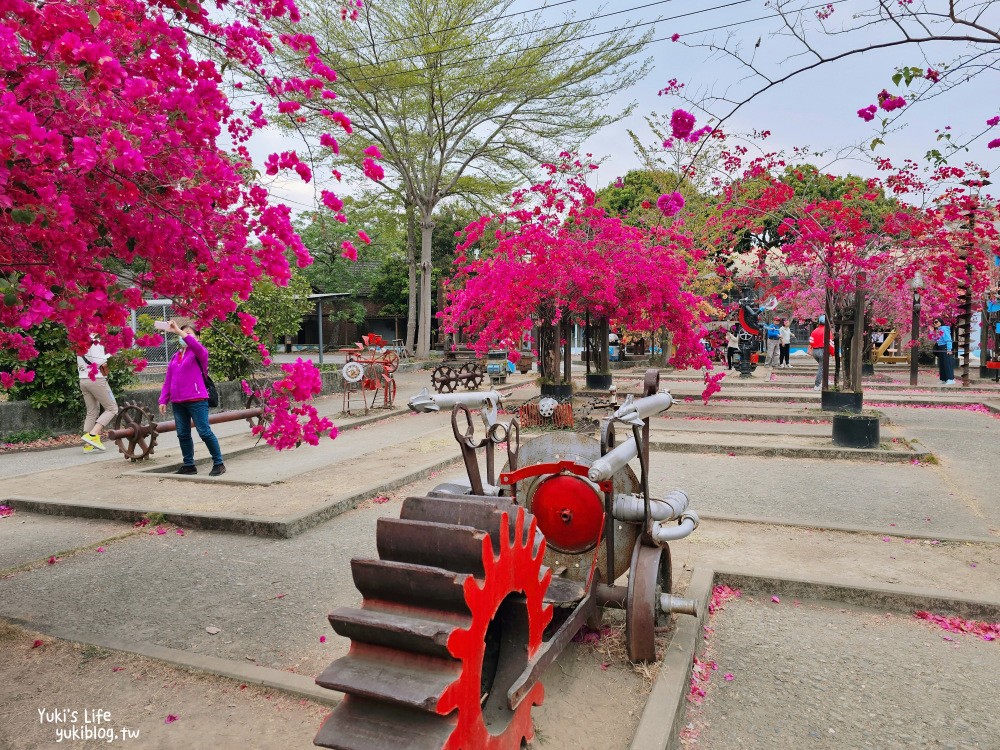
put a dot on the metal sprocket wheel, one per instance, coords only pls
(253, 402)
(443, 379)
(473, 375)
(141, 444)
(452, 612)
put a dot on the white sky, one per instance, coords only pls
(816, 109)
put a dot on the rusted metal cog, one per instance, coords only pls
(452, 612)
(142, 442)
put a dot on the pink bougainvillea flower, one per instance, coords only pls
(728, 677)
(101, 549)
(995, 143)
(776, 600)
(993, 121)
(171, 718)
(373, 152)
(363, 236)
(373, 170)
(348, 250)
(52, 560)
(868, 113)
(38, 643)
(179, 532)
(681, 123)
(322, 639)
(674, 37)
(670, 204)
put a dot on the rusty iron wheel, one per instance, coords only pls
(472, 375)
(452, 612)
(443, 379)
(253, 402)
(648, 577)
(142, 442)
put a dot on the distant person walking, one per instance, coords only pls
(785, 342)
(93, 371)
(732, 346)
(185, 390)
(773, 343)
(942, 347)
(816, 350)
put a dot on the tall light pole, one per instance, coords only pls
(916, 283)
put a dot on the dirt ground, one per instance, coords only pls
(140, 696)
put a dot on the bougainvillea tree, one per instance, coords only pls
(555, 255)
(115, 185)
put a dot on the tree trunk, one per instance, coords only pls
(857, 341)
(603, 355)
(411, 267)
(548, 350)
(567, 350)
(426, 297)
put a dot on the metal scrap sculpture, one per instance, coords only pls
(134, 431)
(479, 586)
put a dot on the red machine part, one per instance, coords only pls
(747, 325)
(453, 611)
(569, 513)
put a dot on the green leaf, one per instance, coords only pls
(22, 216)
(876, 142)
(10, 299)
(95, 18)
(897, 78)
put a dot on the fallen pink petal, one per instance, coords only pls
(170, 719)
(776, 600)
(322, 639)
(728, 677)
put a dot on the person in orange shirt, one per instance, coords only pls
(816, 350)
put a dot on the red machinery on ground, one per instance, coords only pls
(479, 586)
(372, 365)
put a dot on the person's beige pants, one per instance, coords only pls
(97, 395)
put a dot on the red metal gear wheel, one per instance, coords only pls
(453, 611)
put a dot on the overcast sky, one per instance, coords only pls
(816, 109)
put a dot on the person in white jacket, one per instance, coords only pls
(97, 394)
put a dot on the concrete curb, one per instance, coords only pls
(843, 528)
(663, 715)
(280, 527)
(276, 679)
(899, 599)
(846, 454)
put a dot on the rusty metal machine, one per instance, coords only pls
(135, 432)
(479, 586)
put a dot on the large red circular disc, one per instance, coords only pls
(569, 512)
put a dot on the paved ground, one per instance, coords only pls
(269, 597)
(872, 680)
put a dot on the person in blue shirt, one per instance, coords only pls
(942, 347)
(773, 345)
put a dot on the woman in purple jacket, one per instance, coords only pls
(185, 390)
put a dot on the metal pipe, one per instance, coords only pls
(611, 596)
(634, 410)
(425, 401)
(663, 534)
(613, 461)
(671, 603)
(629, 507)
